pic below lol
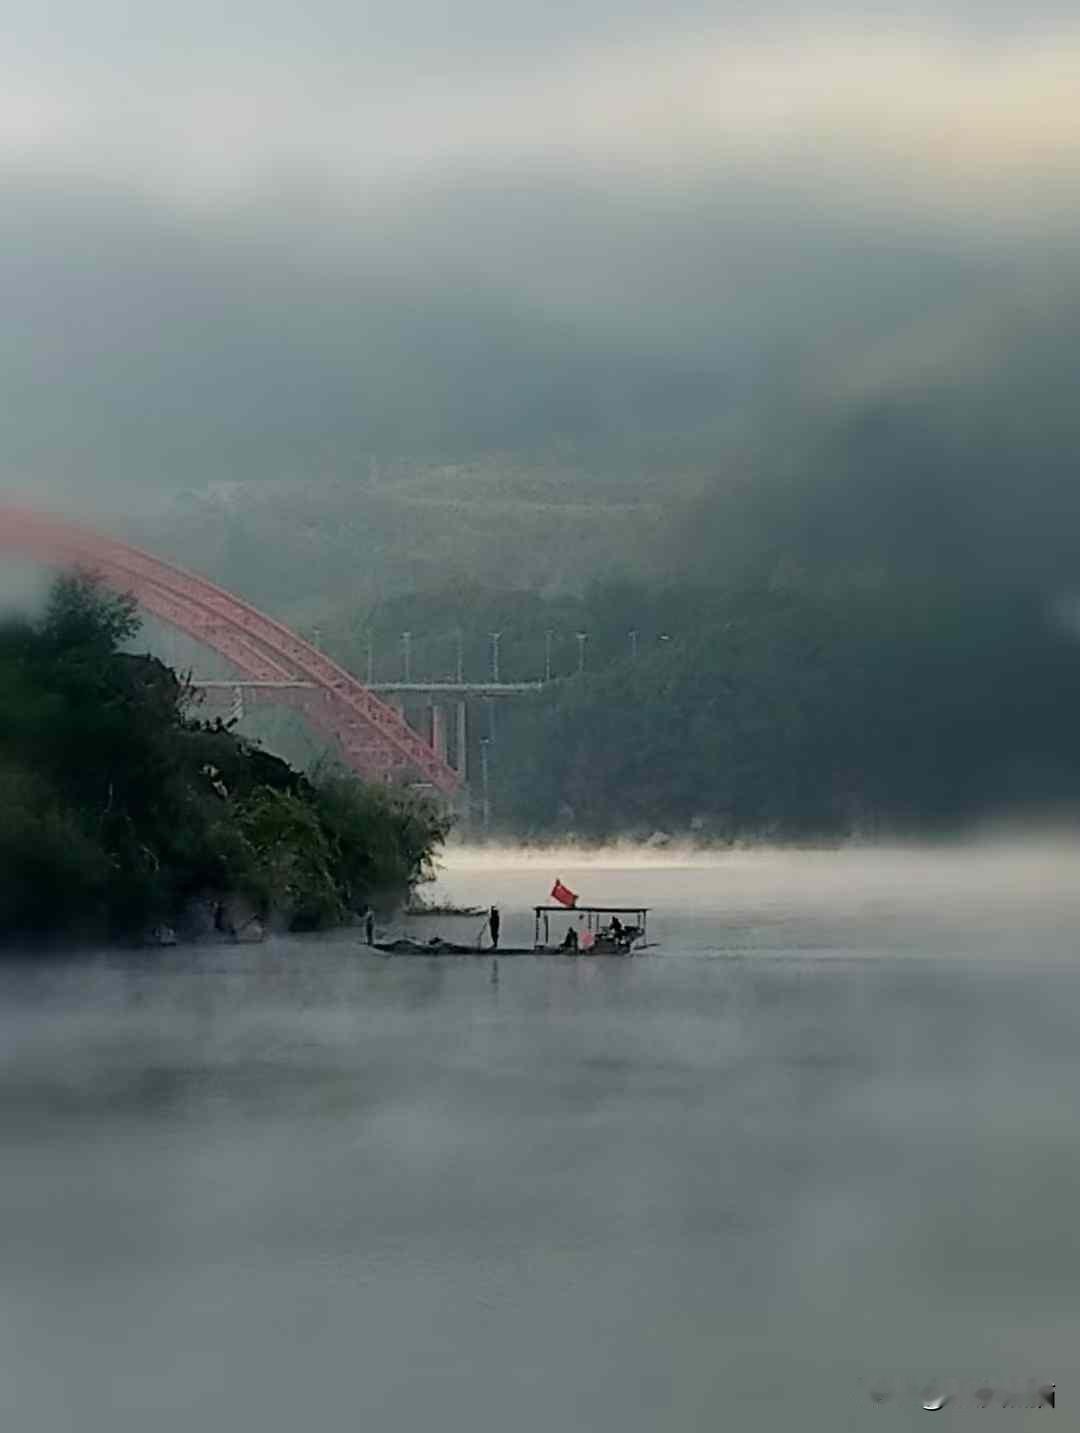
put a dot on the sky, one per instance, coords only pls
(955, 104)
(371, 227)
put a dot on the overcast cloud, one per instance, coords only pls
(958, 106)
(488, 201)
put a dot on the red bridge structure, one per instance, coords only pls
(374, 738)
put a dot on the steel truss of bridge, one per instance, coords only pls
(423, 689)
(373, 736)
(446, 705)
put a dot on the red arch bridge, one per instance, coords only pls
(272, 662)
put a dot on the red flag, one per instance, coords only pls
(563, 894)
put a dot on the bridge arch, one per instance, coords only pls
(374, 738)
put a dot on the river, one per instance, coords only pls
(814, 1157)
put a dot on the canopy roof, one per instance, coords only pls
(593, 910)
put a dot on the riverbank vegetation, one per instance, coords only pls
(123, 812)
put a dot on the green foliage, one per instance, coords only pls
(794, 711)
(53, 875)
(118, 809)
(381, 842)
(293, 857)
(84, 619)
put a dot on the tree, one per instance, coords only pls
(120, 808)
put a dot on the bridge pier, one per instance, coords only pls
(438, 730)
(462, 734)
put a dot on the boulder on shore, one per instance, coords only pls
(239, 918)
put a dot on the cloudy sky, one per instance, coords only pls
(218, 104)
(370, 225)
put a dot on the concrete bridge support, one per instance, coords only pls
(438, 730)
(462, 734)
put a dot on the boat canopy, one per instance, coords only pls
(593, 916)
(592, 910)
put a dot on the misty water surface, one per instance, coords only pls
(820, 1145)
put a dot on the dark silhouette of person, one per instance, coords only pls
(570, 940)
(369, 927)
(494, 922)
(616, 927)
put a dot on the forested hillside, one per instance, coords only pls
(846, 609)
(870, 625)
(537, 524)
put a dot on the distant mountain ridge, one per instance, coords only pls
(303, 548)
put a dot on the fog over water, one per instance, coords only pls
(820, 1144)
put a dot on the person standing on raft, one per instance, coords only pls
(494, 921)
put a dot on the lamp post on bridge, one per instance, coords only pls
(406, 656)
(633, 645)
(548, 635)
(459, 642)
(370, 659)
(582, 638)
